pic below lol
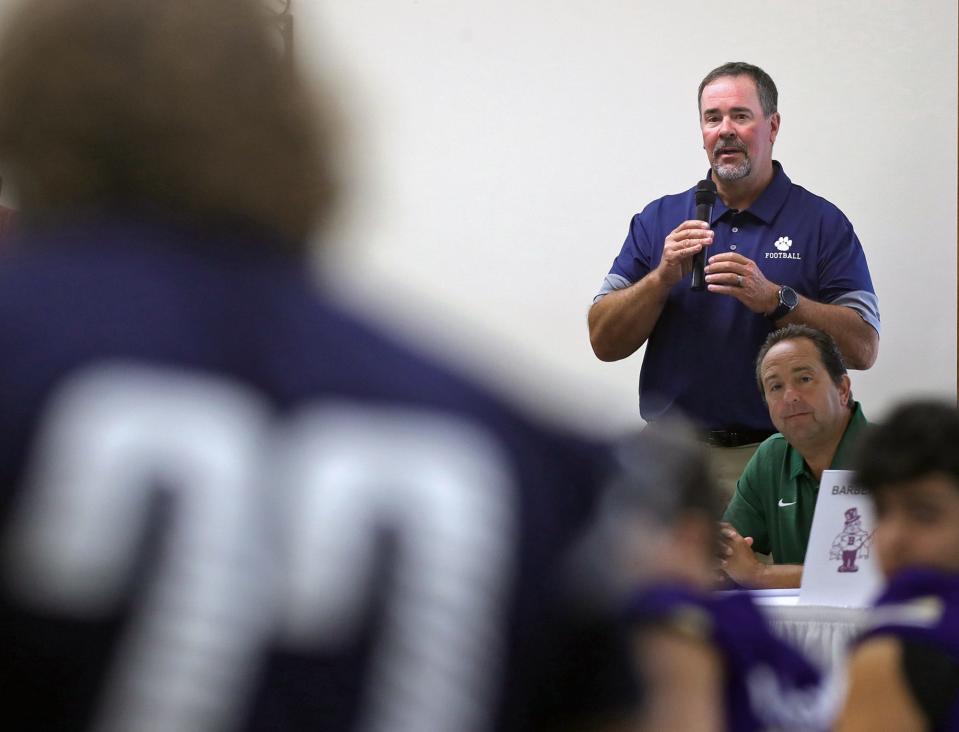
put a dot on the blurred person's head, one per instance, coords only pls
(804, 383)
(910, 464)
(187, 108)
(664, 501)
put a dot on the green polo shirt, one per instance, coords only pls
(776, 495)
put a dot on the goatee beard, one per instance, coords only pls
(733, 172)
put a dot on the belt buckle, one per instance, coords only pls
(729, 438)
(717, 438)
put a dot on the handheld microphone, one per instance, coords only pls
(705, 198)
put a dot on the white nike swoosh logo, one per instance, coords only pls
(783, 505)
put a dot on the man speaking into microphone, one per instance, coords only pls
(774, 254)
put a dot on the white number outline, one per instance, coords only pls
(437, 482)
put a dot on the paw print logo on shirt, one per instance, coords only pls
(783, 243)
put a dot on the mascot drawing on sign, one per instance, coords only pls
(853, 541)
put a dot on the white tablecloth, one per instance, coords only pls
(822, 633)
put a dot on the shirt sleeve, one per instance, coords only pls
(844, 277)
(745, 510)
(633, 262)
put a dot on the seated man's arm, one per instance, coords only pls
(745, 531)
(740, 563)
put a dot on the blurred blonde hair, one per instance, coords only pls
(186, 106)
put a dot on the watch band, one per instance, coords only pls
(788, 300)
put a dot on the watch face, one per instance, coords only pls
(788, 297)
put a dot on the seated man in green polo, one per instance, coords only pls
(806, 388)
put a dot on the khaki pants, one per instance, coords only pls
(727, 466)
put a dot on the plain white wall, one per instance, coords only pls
(499, 149)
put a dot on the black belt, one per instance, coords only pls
(734, 438)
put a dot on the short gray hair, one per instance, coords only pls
(765, 86)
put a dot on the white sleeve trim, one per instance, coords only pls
(611, 282)
(863, 302)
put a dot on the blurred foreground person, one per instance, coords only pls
(226, 503)
(904, 672)
(707, 661)
(8, 218)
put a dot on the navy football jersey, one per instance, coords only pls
(229, 505)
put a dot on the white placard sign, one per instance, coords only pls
(841, 567)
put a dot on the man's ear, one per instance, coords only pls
(845, 389)
(774, 120)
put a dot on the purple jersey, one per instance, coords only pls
(228, 505)
(768, 683)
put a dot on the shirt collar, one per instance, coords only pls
(797, 465)
(769, 202)
(847, 445)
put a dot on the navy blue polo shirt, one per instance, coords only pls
(700, 356)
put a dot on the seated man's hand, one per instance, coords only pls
(736, 557)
